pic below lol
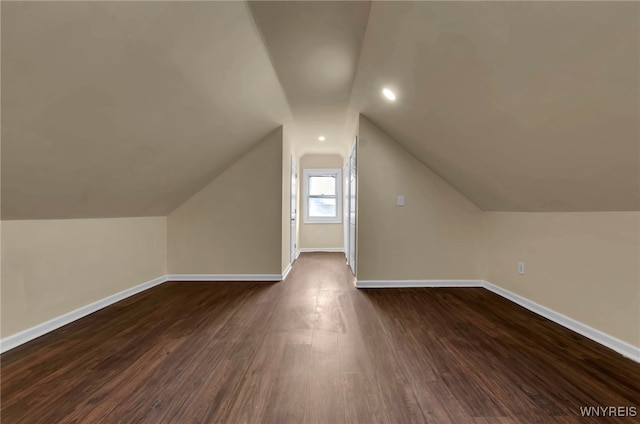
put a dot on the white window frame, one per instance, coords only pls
(322, 172)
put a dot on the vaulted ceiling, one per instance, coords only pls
(522, 106)
(314, 47)
(127, 108)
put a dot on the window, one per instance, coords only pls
(322, 196)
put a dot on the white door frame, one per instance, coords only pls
(345, 206)
(353, 188)
(293, 205)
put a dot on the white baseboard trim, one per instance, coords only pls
(225, 277)
(625, 349)
(38, 330)
(29, 334)
(396, 284)
(286, 271)
(320, 249)
(620, 346)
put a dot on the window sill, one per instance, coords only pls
(322, 221)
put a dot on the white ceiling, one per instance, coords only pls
(528, 106)
(127, 108)
(314, 47)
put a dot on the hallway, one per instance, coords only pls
(312, 349)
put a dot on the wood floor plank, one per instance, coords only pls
(362, 399)
(313, 349)
(325, 398)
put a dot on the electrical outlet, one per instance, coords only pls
(400, 201)
(321, 234)
(521, 268)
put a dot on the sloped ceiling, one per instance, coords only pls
(522, 106)
(314, 47)
(127, 108)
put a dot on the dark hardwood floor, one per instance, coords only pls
(313, 349)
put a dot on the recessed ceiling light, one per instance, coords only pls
(389, 94)
(321, 138)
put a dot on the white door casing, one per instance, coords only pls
(345, 206)
(353, 186)
(293, 209)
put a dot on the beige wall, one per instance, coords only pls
(233, 225)
(51, 267)
(585, 265)
(436, 235)
(319, 235)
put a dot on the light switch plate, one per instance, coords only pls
(401, 200)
